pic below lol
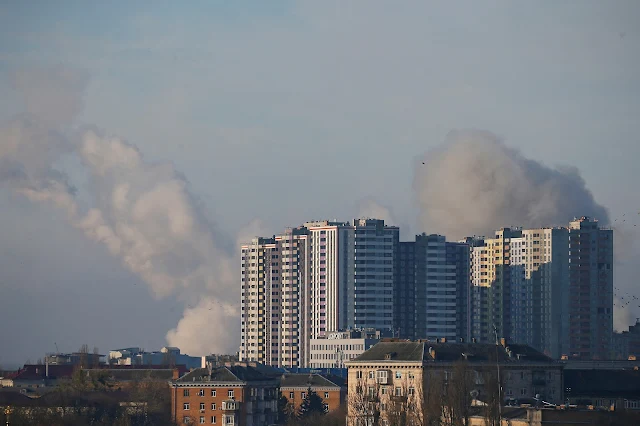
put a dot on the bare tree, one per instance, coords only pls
(364, 404)
(84, 355)
(491, 396)
(95, 360)
(457, 395)
(431, 398)
(403, 407)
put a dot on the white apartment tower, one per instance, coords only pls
(274, 274)
(322, 277)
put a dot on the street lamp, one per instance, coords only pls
(7, 412)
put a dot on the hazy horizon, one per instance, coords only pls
(140, 145)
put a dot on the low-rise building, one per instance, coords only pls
(609, 389)
(411, 370)
(331, 389)
(336, 348)
(168, 355)
(239, 394)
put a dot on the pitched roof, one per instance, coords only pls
(398, 351)
(39, 372)
(450, 352)
(313, 380)
(232, 373)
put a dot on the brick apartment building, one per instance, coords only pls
(240, 394)
(331, 389)
(403, 368)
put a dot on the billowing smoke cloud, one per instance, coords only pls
(626, 237)
(195, 329)
(370, 208)
(141, 211)
(474, 184)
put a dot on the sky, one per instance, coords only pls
(262, 115)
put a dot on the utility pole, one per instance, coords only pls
(495, 331)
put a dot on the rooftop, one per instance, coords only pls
(313, 380)
(450, 352)
(603, 383)
(231, 373)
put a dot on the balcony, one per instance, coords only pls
(230, 405)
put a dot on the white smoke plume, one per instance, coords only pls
(370, 208)
(474, 184)
(198, 326)
(626, 237)
(142, 211)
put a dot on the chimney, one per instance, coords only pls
(443, 340)
(432, 352)
(176, 374)
(503, 342)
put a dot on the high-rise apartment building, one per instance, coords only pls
(432, 289)
(491, 278)
(550, 288)
(591, 289)
(369, 289)
(404, 291)
(274, 278)
(540, 289)
(322, 277)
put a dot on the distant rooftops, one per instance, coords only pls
(231, 372)
(427, 351)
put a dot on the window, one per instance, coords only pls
(358, 374)
(230, 393)
(213, 420)
(186, 420)
(398, 392)
(291, 395)
(411, 376)
(412, 391)
(228, 420)
(523, 391)
(213, 405)
(383, 390)
(326, 407)
(303, 395)
(201, 392)
(201, 420)
(185, 392)
(326, 395)
(398, 375)
(185, 406)
(371, 392)
(213, 392)
(372, 374)
(202, 406)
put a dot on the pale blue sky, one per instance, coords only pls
(337, 98)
